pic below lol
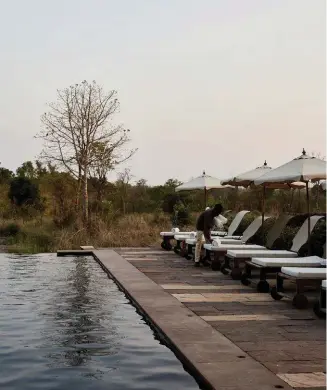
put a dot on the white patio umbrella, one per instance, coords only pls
(204, 182)
(303, 168)
(248, 178)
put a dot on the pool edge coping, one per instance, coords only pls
(137, 287)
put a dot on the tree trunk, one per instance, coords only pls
(123, 204)
(79, 189)
(85, 198)
(317, 194)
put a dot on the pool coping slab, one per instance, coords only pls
(214, 360)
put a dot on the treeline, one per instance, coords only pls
(37, 190)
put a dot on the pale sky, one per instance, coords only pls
(219, 85)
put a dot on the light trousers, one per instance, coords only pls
(198, 245)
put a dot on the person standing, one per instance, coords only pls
(204, 224)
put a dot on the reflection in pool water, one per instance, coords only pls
(65, 325)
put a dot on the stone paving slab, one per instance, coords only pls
(297, 366)
(184, 286)
(204, 349)
(244, 317)
(289, 342)
(295, 335)
(313, 379)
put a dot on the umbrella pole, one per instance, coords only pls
(292, 197)
(205, 197)
(263, 211)
(309, 221)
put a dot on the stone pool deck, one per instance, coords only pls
(234, 337)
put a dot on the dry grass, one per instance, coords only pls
(131, 230)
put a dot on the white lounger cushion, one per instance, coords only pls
(192, 241)
(226, 241)
(249, 254)
(250, 231)
(218, 233)
(226, 247)
(305, 273)
(310, 261)
(236, 221)
(301, 236)
(323, 284)
(181, 237)
(171, 234)
(233, 226)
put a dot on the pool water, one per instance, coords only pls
(65, 325)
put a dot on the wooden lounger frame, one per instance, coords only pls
(299, 299)
(261, 285)
(320, 305)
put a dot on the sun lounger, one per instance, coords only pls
(236, 222)
(270, 266)
(267, 266)
(231, 230)
(249, 232)
(191, 242)
(186, 248)
(236, 257)
(232, 227)
(219, 249)
(181, 246)
(320, 306)
(303, 278)
(167, 236)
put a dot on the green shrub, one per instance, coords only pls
(23, 191)
(12, 229)
(285, 241)
(182, 216)
(260, 237)
(318, 236)
(317, 240)
(31, 242)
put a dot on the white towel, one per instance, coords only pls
(222, 219)
(216, 242)
(218, 225)
(175, 230)
(193, 235)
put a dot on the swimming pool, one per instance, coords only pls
(65, 325)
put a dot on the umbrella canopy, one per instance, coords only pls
(302, 168)
(204, 182)
(246, 178)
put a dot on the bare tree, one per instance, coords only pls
(317, 193)
(123, 183)
(74, 127)
(318, 155)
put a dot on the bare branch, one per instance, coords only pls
(78, 134)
